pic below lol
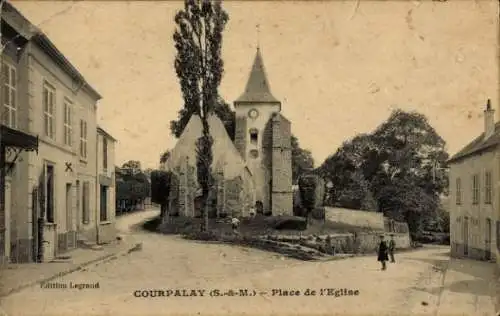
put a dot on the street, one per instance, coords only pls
(170, 275)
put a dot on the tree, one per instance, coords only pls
(402, 164)
(302, 160)
(221, 109)
(131, 167)
(199, 67)
(164, 156)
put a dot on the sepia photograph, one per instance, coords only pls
(250, 157)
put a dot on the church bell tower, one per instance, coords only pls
(259, 133)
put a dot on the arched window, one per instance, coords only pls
(254, 136)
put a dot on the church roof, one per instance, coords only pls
(257, 88)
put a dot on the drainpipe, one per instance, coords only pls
(97, 187)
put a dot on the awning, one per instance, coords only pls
(14, 138)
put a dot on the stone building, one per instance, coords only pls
(234, 189)
(260, 155)
(474, 194)
(263, 139)
(51, 196)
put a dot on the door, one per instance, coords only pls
(35, 224)
(69, 209)
(104, 203)
(488, 239)
(466, 236)
(78, 207)
(49, 230)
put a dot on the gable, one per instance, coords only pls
(224, 152)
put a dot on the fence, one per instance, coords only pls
(393, 226)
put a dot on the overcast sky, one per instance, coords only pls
(339, 68)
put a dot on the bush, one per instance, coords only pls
(307, 189)
(203, 236)
(290, 222)
(318, 213)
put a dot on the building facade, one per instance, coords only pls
(51, 199)
(474, 195)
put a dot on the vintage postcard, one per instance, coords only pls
(207, 157)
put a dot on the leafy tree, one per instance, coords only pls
(199, 67)
(302, 160)
(131, 167)
(402, 164)
(160, 189)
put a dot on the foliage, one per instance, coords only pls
(160, 186)
(399, 169)
(132, 184)
(164, 156)
(302, 160)
(199, 67)
(307, 189)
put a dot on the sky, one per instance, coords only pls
(339, 67)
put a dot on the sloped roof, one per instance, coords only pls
(17, 20)
(224, 152)
(257, 88)
(103, 132)
(479, 144)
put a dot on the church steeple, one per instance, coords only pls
(257, 89)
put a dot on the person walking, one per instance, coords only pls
(392, 248)
(382, 253)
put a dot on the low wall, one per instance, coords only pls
(372, 220)
(351, 243)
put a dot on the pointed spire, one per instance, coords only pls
(257, 88)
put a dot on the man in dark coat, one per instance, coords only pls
(382, 252)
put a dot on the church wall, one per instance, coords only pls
(282, 193)
(259, 166)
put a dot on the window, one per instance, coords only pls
(105, 153)
(487, 188)
(9, 110)
(459, 191)
(475, 189)
(83, 139)
(85, 203)
(68, 126)
(49, 110)
(254, 136)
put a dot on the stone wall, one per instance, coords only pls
(282, 193)
(372, 220)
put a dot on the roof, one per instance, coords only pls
(42, 41)
(225, 154)
(478, 145)
(257, 88)
(102, 131)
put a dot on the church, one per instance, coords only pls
(254, 171)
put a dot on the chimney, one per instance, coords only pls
(489, 120)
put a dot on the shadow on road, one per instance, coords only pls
(480, 273)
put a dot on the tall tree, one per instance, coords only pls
(302, 160)
(199, 67)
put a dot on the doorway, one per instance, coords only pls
(488, 240)
(104, 203)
